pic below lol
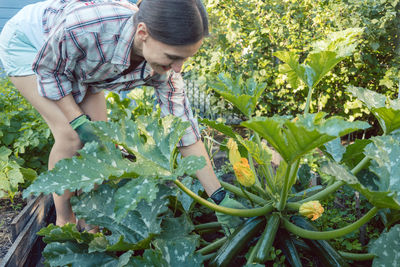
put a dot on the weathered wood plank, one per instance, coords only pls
(21, 248)
(24, 216)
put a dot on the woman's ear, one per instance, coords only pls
(142, 32)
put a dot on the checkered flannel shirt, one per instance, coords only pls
(88, 47)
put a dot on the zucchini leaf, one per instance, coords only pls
(385, 153)
(242, 94)
(294, 138)
(386, 248)
(76, 255)
(94, 165)
(381, 198)
(386, 111)
(153, 142)
(133, 231)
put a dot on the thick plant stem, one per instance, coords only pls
(213, 246)
(293, 173)
(335, 186)
(265, 168)
(239, 192)
(357, 257)
(234, 212)
(308, 102)
(209, 256)
(324, 193)
(211, 225)
(285, 189)
(329, 234)
(360, 165)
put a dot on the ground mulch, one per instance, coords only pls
(8, 211)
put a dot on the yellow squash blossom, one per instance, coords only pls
(244, 174)
(234, 155)
(311, 209)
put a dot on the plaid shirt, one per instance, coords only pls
(88, 47)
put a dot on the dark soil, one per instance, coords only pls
(8, 211)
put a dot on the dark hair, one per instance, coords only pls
(174, 22)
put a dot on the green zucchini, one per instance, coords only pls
(267, 239)
(305, 193)
(285, 243)
(325, 252)
(237, 241)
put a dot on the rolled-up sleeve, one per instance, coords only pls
(172, 100)
(50, 67)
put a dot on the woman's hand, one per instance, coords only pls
(81, 125)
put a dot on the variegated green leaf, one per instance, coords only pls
(386, 248)
(68, 232)
(192, 184)
(135, 230)
(385, 154)
(153, 142)
(294, 138)
(176, 245)
(94, 166)
(76, 255)
(129, 195)
(335, 149)
(386, 111)
(381, 199)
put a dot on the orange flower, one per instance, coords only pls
(243, 172)
(234, 155)
(311, 209)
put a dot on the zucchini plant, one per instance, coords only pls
(270, 191)
(132, 203)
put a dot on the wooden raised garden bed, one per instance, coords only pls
(27, 246)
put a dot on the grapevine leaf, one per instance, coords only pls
(292, 139)
(75, 255)
(135, 230)
(94, 165)
(386, 111)
(386, 248)
(380, 199)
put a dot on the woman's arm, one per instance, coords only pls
(206, 175)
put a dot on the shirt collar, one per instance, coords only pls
(123, 49)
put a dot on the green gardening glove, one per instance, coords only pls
(228, 222)
(85, 131)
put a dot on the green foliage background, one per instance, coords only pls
(245, 34)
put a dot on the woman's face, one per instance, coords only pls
(160, 56)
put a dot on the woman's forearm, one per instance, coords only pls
(206, 175)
